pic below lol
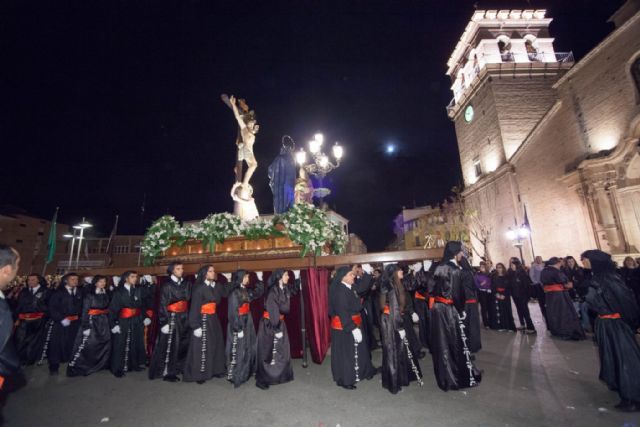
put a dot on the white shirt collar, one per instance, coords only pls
(347, 285)
(1, 294)
(69, 289)
(127, 287)
(175, 279)
(34, 289)
(100, 291)
(211, 283)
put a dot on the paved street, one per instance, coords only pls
(528, 381)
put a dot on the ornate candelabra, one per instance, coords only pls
(320, 165)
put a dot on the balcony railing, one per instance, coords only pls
(516, 62)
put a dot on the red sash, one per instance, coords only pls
(127, 313)
(337, 324)
(208, 308)
(30, 316)
(501, 290)
(149, 314)
(178, 307)
(418, 295)
(97, 311)
(244, 309)
(609, 316)
(72, 318)
(386, 310)
(471, 301)
(432, 301)
(444, 300)
(265, 315)
(554, 288)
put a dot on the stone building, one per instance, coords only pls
(537, 131)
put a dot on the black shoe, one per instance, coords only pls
(262, 386)
(119, 374)
(220, 376)
(200, 382)
(349, 387)
(171, 379)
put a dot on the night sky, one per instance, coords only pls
(104, 102)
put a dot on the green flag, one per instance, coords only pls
(51, 243)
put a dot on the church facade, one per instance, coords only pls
(545, 142)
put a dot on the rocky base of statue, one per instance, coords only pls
(244, 205)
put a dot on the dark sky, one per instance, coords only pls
(103, 102)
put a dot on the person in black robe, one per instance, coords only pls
(92, 347)
(350, 356)
(501, 312)
(65, 308)
(148, 285)
(472, 319)
(11, 376)
(452, 362)
(282, 177)
(520, 287)
(240, 348)
(273, 351)
(562, 317)
(399, 367)
(32, 319)
(128, 318)
(362, 285)
(412, 280)
(421, 305)
(618, 318)
(205, 358)
(170, 351)
(630, 273)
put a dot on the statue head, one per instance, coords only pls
(287, 145)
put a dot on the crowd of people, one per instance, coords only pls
(409, 310)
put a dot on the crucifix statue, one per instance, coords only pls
(242, 192)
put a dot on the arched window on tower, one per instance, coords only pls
(532, 51)
(504, 45)
(635, 73)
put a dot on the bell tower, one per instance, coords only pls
(502, 71)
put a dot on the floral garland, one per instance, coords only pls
(159, 238)
(304, 224)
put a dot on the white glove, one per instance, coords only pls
(427, 264)
(165, 329)
(65, 322)
(259, 274)
(116, 280)
(86, 332)
(279, 335)
(296, 274)
(367, 268)
(417, 267)
(227, 276)
(415, 318)
(463, 315)
(357, 335)
(240, 334)
(88, 280)
(148, 278)
(402, 333)
(146, 321)
(197, 333)
(115, 329)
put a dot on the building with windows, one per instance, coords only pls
(540, 133)
(99, 252)
(29, 235)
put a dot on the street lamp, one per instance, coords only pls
(82, 226)
(320, 165)
(73, 243)
(517, 236)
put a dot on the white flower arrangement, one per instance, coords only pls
(304, 224)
